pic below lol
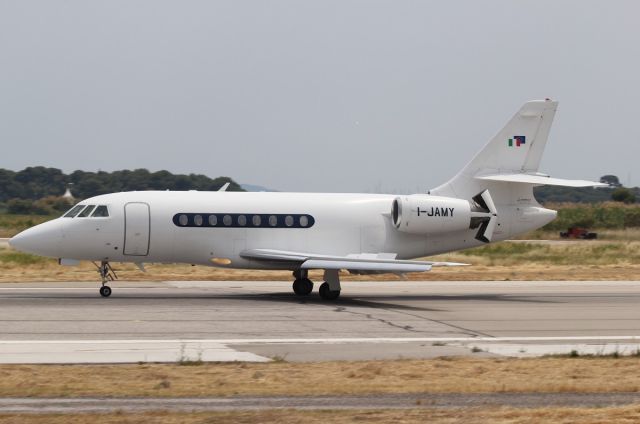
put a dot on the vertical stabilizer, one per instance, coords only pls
(517, 148)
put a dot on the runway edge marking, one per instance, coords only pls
(332, 340)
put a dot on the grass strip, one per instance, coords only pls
(442, 375)
(627, 414)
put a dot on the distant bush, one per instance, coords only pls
(603, 215)
(19, 207)
(632, 218)
(624, 195)
(50, 205)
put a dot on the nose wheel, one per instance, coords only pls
(106, 274)
(105, 291)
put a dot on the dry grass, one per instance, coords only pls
(445, 375)
(622, 415)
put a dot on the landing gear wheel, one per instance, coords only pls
(105, 291)
(302, 286)
(327, 294)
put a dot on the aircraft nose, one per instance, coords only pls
(43, 239)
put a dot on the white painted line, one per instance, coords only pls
(56, 288)
(115, 352)
(534, 350)
(97, 285)
(334, 340)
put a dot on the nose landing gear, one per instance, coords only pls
(106, 274)
(105, 291)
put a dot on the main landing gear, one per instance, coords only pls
(106, 274)
(329, 290)
(302, 286)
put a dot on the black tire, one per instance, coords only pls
(327, 294)
(302, 286)
(105, 291)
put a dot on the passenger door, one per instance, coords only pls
(136, 229)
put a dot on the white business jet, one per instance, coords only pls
(491, 199)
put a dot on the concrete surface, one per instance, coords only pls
(385, 401)
(70, 322)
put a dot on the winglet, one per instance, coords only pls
(224, 187)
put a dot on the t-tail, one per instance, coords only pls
(499, 180)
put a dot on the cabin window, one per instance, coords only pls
(74, 211)
(304, 221)
(100, 212)
(241, 220)
(87, 211)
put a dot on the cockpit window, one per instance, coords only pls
(74, 211)
(87, 211)
(101, 212)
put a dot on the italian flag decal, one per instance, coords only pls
(517, 140)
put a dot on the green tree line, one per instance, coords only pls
(38, 182)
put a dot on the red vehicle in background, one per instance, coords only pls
(578, 233)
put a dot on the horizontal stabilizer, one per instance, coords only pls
(539, 179)
(381, 262)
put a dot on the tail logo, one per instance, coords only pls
(517, 140)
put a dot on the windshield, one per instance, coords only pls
(74, 211)
(101, 212)
(86, 212)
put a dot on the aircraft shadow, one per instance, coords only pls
(430, 302)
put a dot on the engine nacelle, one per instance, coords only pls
(424, 214)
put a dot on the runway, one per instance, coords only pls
(260, 321)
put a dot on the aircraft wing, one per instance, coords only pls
(363, 262)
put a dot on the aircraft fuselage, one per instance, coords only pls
(214, 228)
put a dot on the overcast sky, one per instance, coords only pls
(374, 96)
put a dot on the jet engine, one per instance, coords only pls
(425, 215)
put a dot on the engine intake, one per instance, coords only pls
(423, 214)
